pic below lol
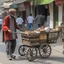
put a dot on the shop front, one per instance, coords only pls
(23, 10)
(45, 7)
(60, 5)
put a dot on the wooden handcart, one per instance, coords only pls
(37, 42)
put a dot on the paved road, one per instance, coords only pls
(56, 57)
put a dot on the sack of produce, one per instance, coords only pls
(31, 34)
(34, 33)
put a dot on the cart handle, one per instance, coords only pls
(18, 32)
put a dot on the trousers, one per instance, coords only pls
(30, 26)
(10, 47)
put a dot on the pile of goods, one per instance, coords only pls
(47, 29)
(31, 34)
(36, 33)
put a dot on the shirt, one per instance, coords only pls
(19, 20)
(40, 19)
(30, 19)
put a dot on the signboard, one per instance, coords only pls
(21, 7)
(19, 1)
(59, 2)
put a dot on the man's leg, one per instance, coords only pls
(8, 48)
(38, 25)
(13, 46)
(31, 26)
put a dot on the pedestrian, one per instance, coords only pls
(9, 26)
(48, 20)
(30, 20)
(62, 34)
(1, 21)
(40, 19)
(19, 21)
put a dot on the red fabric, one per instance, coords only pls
(59, 2)
(43, 27)
(6, 27)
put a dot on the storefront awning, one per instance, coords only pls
(40, 2)
(7, 5)
(59, 2)
(19, 1)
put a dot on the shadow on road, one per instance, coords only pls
(57, 59)
(36, 61)
(39, 60)
(2, 47)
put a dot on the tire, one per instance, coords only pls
(31, 54)
(45, 51)
(22, 50)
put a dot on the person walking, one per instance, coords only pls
(9, 26)
(40, 20)
(48, 20)
(30, 20)
(1, 21)
(62, 34)
(19, 21)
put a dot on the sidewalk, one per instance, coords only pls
(58, 46)
(56, 56)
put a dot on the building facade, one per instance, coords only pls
(60, 5)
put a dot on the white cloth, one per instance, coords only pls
(30, 19)
(19, 40)
(19, 20)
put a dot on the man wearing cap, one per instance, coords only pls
(9, 26)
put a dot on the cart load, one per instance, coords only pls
(40, 35)
(38, 40)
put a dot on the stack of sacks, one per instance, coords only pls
(31, 33)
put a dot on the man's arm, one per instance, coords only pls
(5, 25)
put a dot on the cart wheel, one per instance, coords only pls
(22, 50)
(31, 54)
(45, 50)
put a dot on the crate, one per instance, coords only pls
(43, 35)
(30, 42)
(52, 37)
(34, 40)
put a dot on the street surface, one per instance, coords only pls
(56, 57)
